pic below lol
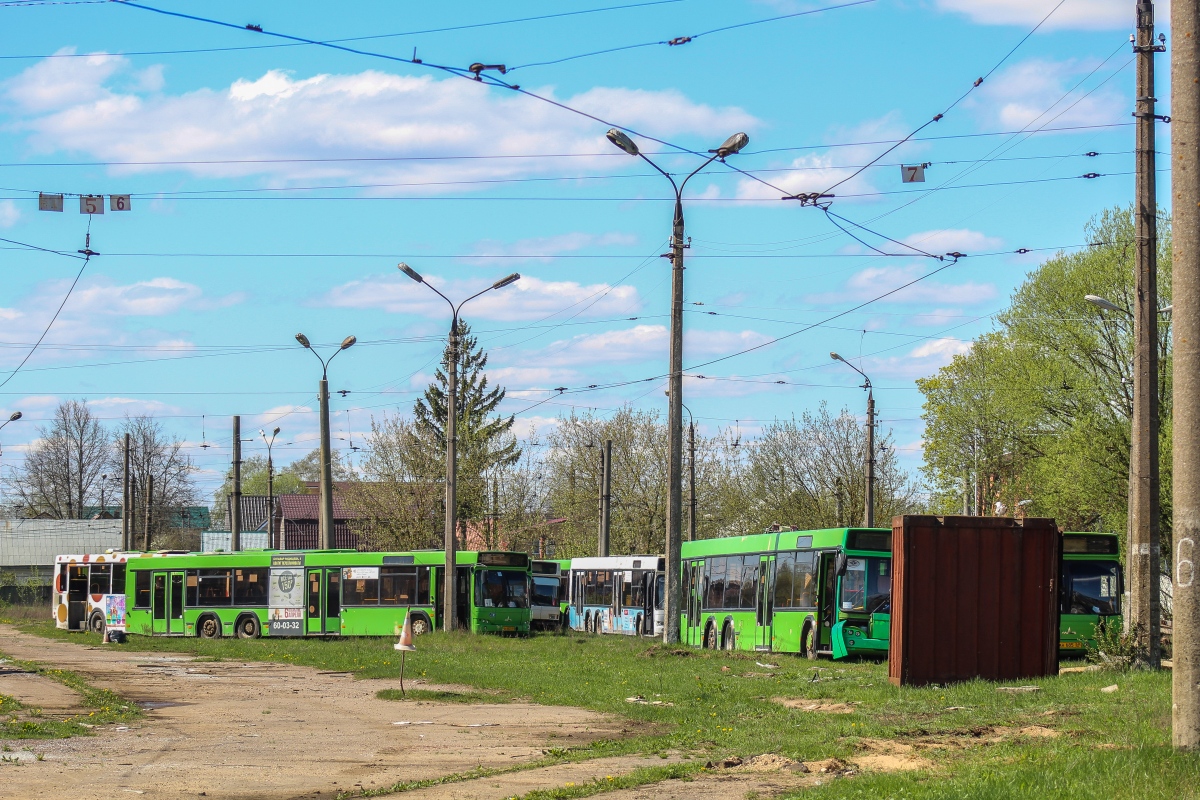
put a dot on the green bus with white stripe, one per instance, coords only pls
(825, 592)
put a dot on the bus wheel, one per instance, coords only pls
(248, 627)
(808, 642)
(727, 642)
(420, 625)
(209, 628)
(710, 637)
(96, 623)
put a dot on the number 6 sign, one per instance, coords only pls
(91, 204)
(118, 202)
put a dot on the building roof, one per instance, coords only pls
(308, 506)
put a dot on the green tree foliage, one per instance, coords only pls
(484, 437)
(1038, 411)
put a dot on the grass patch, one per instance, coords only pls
(442, 696)
(107, 708)
(611, 783)
(713, 704)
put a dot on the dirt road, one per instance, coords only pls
(255, 730)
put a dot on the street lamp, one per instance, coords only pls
(448, 620)
(16, 415)
(326, 503)
(270, 489)
(732, 145)
(869, 521)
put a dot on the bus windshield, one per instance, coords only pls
(867, 585)
(502, 588)
(1091, 587)
(544, 592)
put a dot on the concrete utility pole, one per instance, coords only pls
(1185, 280)
(869, 517)
(149, 501)
(451, 434)
(605, 496)
(235, 500)
(691, 481)
(1143, 568)
(126, 503)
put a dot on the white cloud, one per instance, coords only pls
(941, 348)
(643, 343)
(155, 297)
(524, 427)
(1075, 14)
(129, 406)
(528, 298)
(9, 213)
(924, 359)
(955, 240)
(875, 281)
(1032, 93)
(72, 105)
(544, 248)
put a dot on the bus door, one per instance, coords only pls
(695, 594)
(765, 609)
(77, 597)
(647, 604)
(462, 596)
(166, 601)
(324, 601)
(827, 580)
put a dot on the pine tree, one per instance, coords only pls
(484, 439)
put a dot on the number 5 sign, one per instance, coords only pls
(91, 204)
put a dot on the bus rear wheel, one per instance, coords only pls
(420, 625)
(248, 627)
(209, 628)
(710, 637)
(96, 623)
(808, 643)
(727, 641)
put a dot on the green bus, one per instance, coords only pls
(1090, 589)
(284, 593)
(824, 592)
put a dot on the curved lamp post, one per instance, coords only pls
(326, 456)
(16, 415)
(270, 488)
(449, 623)
(732, 145)
(869, 520)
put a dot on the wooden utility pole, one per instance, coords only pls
(235, 498)
(1185, 287)
(674, 553)
(869, 520)
(126, 503)
(691, 481)
(149, 505)
(1142, 617)
(605, 496)
(448, 605)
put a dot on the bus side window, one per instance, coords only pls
(250, 587)
(749, 582)
(141, 589)
(118, 579)
(804, 580)
(100, 579)
(733, 581)
(716, 582)
(422, 586)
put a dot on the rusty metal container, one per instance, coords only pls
(973, 597)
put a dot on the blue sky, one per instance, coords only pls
(313, 172)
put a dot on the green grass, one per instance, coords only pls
(106, 708)
(1111, 745)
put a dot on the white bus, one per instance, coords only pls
(544, 596)
(89, 591)
(618, 594)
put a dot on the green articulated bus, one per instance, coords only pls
(1090, 589)
(811, 592)
(284, 593)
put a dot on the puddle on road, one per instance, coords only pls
(151, 705)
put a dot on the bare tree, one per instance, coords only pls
(61, 472)
(154, 454)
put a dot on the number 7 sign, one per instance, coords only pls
(912, 174)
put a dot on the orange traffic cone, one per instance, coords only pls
(404, 646)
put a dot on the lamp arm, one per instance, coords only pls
(695, 171)
(664, 173)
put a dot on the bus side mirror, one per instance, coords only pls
(840, 564)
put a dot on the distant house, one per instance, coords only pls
(299, 520)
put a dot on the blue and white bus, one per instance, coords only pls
(618, 594)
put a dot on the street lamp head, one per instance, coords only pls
(16, 415)
(1100, 302)
(622, 141)
(275, 432)
(500, 284)
(302, 339)
(410, 272)
(262, 433)
(733, 144)
(348, 342)
(836, 357)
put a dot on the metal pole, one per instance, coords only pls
(450, 623)
(327, 537)
(675, 433)
(270, 501)
(126, 504)
(1143, 615)
(605, 496)
(149, 501)
(235, 499)
(692, 482)
(1185, 296)
(870, 515)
